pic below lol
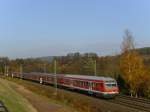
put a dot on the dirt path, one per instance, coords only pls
(40, 103)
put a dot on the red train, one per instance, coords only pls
(100, 86)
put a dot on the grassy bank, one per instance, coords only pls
(13, 101)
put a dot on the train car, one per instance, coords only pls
(100, 86)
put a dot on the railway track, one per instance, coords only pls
(2, 107)
(142, 100)
(136, 103)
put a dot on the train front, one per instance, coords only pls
(110, 89)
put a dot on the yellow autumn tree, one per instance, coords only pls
(131, 65)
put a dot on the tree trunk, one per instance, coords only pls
(136, 95)
(131, 94)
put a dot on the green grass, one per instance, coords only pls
(13, 100)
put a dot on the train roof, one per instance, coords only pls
(90, 77)
(84, 77)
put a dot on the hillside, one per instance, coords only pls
(46, 58)
(144, 51)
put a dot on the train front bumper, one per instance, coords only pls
(110, 94)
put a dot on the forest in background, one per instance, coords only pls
(74, 63)
(131, 68)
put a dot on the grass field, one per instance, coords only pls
(12, 100)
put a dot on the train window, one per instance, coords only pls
(111, 85)
(89, 84)
(86, 83)
(101, 84)
(79, 83)
(108, 85)
(74, 82)
(82, 83)
(97, 85)
(114, 85)
(93, 85)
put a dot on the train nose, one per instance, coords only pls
(116, 90)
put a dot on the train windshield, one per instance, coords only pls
(111, 84)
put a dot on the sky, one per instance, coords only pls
(35, 28)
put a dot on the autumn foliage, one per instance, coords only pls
(133, 71)
(132, 66)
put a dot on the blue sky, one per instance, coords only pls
(33, 28)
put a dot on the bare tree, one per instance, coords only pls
(128, 42)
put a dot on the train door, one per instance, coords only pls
(71, 83)
(41, 80)
(90, 87)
